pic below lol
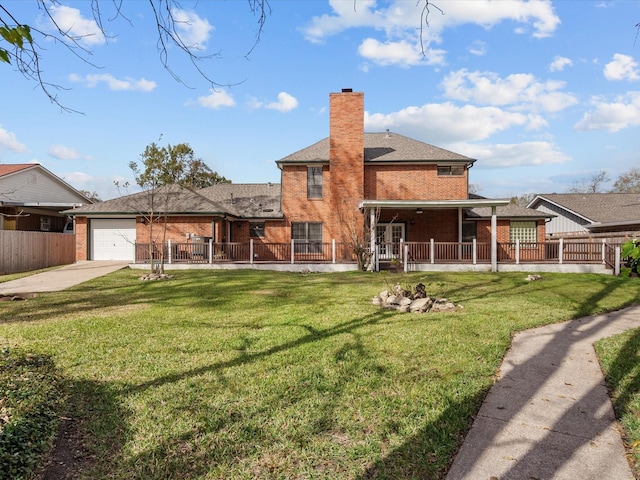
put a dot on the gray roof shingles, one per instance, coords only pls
(382, 147)
(597, 207)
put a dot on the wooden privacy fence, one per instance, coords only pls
(25, 251)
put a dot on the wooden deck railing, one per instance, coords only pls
(409, 252)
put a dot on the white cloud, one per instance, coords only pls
(613, 116)
(62, 152)
(622, 67)
(402, 53)
(114, 84)
(401, 21)
(559, 63)
(192, 30)
(518, 90)
(216, 99)
(9, 141)
(446, 122)
(514, 155)
(285, 103)
(70, 21)
(478, 48)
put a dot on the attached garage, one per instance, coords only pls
(113, 239)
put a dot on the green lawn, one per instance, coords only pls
(246, 374)
(620, 360)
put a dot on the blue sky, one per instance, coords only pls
(544, 94)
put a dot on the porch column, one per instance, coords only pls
(459, 234)
(372, 241)
(494, 240)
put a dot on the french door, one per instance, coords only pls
(388, 236)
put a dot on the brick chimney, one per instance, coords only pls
(346, 150)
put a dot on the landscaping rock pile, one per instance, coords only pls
(155, 276)
(417, 301)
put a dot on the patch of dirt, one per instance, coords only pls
(68, 458)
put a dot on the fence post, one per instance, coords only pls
(377, 258)
(406, 256)
(251, 251)
(170, 259)
(475, 251)
(292, 252)
(560, 249)
(401, 251)
(211, 250)
(517, 251)
(616, 269)
(604, 251)
(432, 250)
(333, 250)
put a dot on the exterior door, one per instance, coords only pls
(388, 236)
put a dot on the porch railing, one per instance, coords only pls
(399, 252)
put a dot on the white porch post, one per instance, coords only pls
(616, 268)
(293, 255)
(517, 251)
(560, 250)
(432, 250)
(211, 250)
(251, 251)
(170, 250)
(373, 264)
(494, 240)
(333, 250)
(604, 251)
(406, 255)
(475, 251)
(459, 233)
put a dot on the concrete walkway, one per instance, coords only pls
(549, 416)
(60, 278)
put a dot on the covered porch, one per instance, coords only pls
(408, 231)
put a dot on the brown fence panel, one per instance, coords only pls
(25, 251)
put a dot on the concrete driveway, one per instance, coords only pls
(61, 278)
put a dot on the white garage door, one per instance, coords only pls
(113, 239)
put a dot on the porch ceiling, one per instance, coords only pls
(469, 203)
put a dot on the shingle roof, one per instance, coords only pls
(597, 207)
(250, 201)
(6, 169)
(381, 147)
(508, 211)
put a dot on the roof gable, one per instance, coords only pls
(33, 185)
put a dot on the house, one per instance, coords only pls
(33, 199)
(589, 214)
(349, 184)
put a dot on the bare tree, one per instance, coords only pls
(593, 184)
(628, 182)
(23, 48)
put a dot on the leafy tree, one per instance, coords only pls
(628, 182)
(163, 175)
(522, 200)
(590, 185)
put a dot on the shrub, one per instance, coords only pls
(29, 404)
(630, 254)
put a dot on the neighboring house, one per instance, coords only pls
(32, 198)
(403, 189)
(580, 214)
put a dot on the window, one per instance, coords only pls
(307, 237)
(256, 230)
(450, 170)
(469, 231)
(314, 182)
(526, 232)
